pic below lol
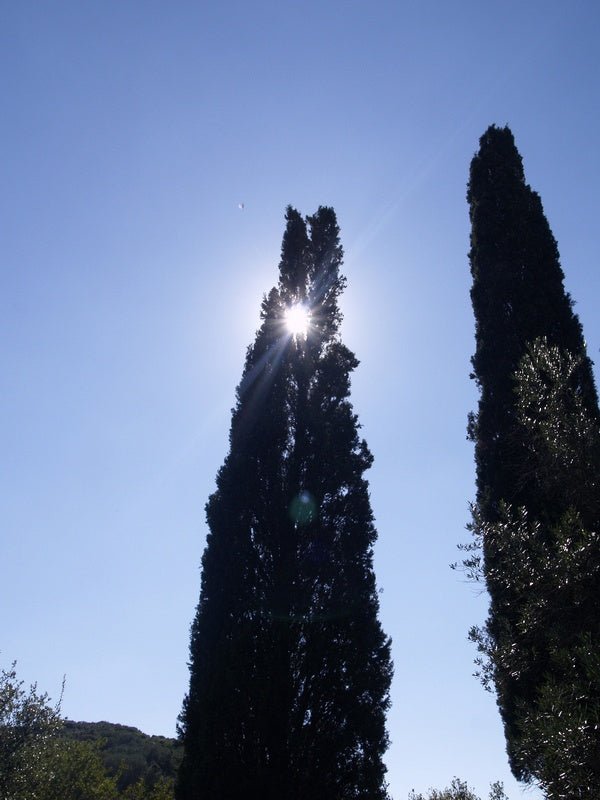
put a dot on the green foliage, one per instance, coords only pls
(128, 755)
(553, 572)
(289, 668)
(459, 790)
(536, 523)
(518, 297)
(76, 772)
(560, 429)
(162, 789)
(43, 757)
(561, 734)
(28, 724)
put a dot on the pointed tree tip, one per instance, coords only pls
(291, 212)
(496, 135)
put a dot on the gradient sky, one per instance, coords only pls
(131, 287)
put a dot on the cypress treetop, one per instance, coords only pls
(537, 516)
(289, 668)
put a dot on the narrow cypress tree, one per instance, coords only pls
(536, 515)
(289, 667)
(518, 296)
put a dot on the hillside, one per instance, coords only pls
(128, 753)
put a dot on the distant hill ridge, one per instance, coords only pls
(128, 753)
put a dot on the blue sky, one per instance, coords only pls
(131, 284)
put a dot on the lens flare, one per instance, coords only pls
(297, 320)
(303, 508)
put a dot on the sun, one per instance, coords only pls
(297, 319)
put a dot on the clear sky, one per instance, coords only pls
(131, 283)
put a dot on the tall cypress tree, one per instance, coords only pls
(289, 667)
(536, 447)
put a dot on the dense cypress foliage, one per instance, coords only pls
(289, 667)
(537, 451)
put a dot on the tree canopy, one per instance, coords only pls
(536, 519)
(289, 667)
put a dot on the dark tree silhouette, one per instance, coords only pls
(537, 454)
(289, 667)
